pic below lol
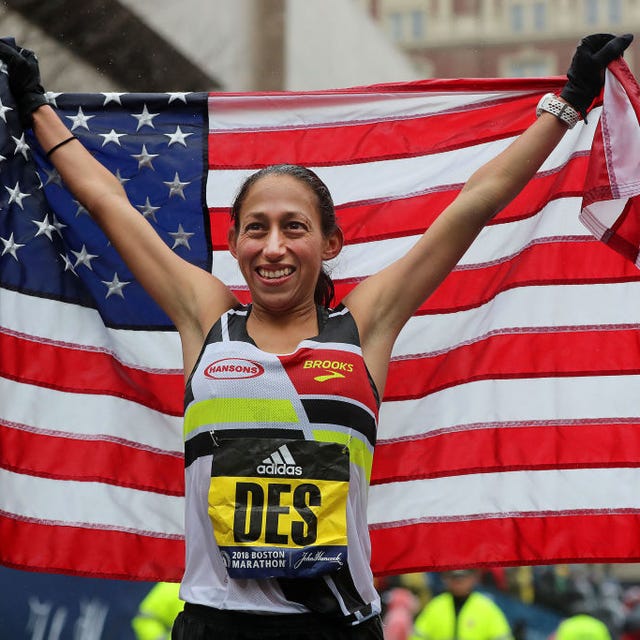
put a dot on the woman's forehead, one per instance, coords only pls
(280, 189)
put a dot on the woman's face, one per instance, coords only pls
(280, 245)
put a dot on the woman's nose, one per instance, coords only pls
(274, 245)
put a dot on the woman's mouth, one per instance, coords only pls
(274, 274)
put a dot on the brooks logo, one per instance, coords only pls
(281, 463)
(332, 368)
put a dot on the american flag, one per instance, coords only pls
(510, 427)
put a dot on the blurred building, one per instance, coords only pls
(204, 45)
(499, 38)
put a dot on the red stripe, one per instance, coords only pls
(378, 220)
(350, 143)
(83, 552)
(539, 539)
(508, 448)
(65, 368)
(90, 460)
(625, 238)
(553, 263)
(530, 354)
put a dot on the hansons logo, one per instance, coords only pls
(279, 463)
(233, 368)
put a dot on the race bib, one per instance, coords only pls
(279, 507)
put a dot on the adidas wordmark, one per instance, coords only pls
(281, 463)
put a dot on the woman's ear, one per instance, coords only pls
(333, 244)
(231, 239)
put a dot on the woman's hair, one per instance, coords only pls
(325, 290)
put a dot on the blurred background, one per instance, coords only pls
(273, 45)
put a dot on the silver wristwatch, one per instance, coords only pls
(561, 110)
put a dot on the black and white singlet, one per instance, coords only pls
(278, 453)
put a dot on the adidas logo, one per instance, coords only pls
(280, 463)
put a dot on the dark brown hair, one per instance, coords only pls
(325, 290)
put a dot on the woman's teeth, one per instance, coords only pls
(272, 275)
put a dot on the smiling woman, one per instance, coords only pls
(282, 395)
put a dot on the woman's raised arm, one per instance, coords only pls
(384, 302)
(190, 296)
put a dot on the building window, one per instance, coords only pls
(528, 64)
(417, 25)
(517, 17)
(539, 16)
(591, 11)
(395, 24)
(615, 11)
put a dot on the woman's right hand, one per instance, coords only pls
(24, 79)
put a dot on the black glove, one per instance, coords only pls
(586, 73)
(24, 79)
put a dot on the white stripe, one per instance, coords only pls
(286, 454)
(75, 326)
(91, 504)
(505, 494)
(531, 307)
(557, 221)
(43, 410)
(402, 177)
(515, 310)
(512, 402)
(621, 138)
(228, 113)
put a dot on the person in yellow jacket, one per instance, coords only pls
(582, 627)
(460, 613)
(157, 612)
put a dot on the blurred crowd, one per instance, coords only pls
(578, 592)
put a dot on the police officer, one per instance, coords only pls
(460, 613)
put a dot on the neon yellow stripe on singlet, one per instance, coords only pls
(247, 410)
(358, 452)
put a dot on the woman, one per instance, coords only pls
(282, 395)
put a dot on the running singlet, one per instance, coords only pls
(278, 452)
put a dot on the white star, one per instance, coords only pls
(11, 247)
(144, 118)
(178, 137)
(112, 136)
(83, 257)
(45, 228)
(58, 225)
(16, 195)
(21, 146)
(178, 95)
(181, 238)
(80, 210)
(148, 210)
(53, 177)
(52, 97)
(4, 110)
(144, 158)
(115, 287)
(68, 266)
(111, 96)
(121, 180)
(79, 120)
(176, 187)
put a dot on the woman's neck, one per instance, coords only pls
(282, 333)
